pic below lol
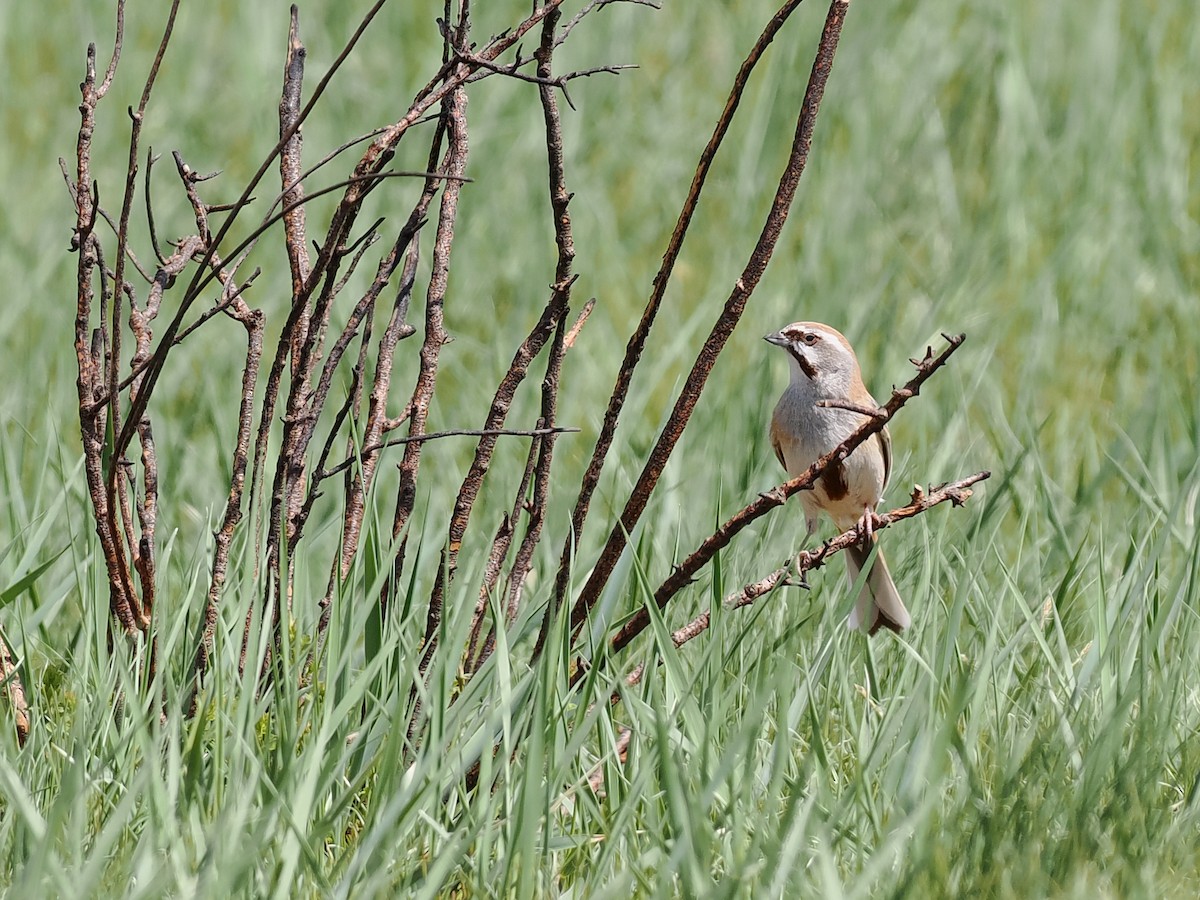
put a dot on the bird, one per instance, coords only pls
(824, 368)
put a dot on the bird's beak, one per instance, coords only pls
(776, 338)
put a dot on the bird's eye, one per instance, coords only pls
(810, 338)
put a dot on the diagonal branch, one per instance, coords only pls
(769, 500)
(637, 342)
(957, 493)
(723, 328)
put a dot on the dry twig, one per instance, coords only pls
(730, 314)
(683, 573)
(957, 493)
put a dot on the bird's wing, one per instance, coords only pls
(885, 444)
(776, 444)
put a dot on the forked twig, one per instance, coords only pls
(682, 574)
(957, 493)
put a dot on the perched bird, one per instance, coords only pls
(824, 367)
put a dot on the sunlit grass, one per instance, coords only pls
(1021, 172)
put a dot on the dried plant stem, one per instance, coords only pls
(91, 346)
(475, 656)
(141, 550)
(560, 198)
(291, 173)
(408, 248)
(253, 321)
(435, 335)
(957, 493)
(10, 679)
(723, 328)
(682, 574)
(637, 342)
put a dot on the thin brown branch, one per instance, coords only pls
(728, 319)
(683, 573)
(449, 433)
(872, 411)
(580, 321)
(435, 336)
(290, 171)
(10, 681)
(513, 70)
(957, 493)
(360, 478)
(590, 7)
(359, 482)
(305, 423)
(151, 159)
(501, 543)
(560, 199)
(454, 120)
(91, 344)
(141, 552)
(253, 321)
(637, 342)
(111, 71)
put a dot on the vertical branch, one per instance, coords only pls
(541, 452)
(142, 550)
(94, 424)
(560, 199)
(474, 658)
(304, 424)
(725, 323)
(252, 320)
(541, 482)
(291, 173)
(454, 113)
(454, 116)
(358, 481)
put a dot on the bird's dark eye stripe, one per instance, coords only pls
(804, 337)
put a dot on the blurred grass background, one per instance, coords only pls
(1020, 171)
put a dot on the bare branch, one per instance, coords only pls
(957, 493)
(637, 342)
(873, 412)
(725, 323)
(683, 573)
(10, 681)
(290, 169)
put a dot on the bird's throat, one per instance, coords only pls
(805, 366)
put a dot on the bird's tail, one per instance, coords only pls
(879, 604)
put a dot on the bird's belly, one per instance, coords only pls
(847, 488)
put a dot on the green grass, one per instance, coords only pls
(1024, 172)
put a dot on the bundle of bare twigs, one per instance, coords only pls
(297, 436)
